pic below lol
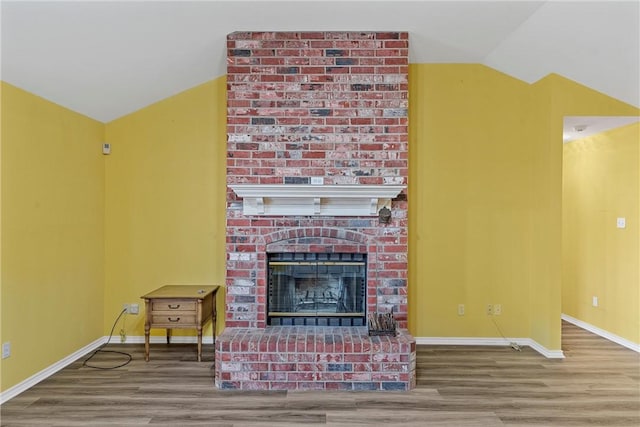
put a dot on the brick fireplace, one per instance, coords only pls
(316, 153)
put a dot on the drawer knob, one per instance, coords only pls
(174, 307)
(177, 319)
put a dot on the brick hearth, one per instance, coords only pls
(302, 105)
(314, 358)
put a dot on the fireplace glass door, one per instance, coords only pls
(317, 289)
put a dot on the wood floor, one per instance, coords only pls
(597, 384)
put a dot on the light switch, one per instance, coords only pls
(621, 222)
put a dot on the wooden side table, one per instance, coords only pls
(180, 307)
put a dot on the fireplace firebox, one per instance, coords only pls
(316, 289)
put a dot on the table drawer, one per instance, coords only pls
(181, 306)
(173, 320)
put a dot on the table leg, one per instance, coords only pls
(147, 328)
(200, 344)
(146, 341)
(168, 336)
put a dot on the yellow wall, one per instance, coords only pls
(165, 199)
(52, 233)
(485, 199)
(555, 97)
(470, 177)
(601, 183)
(87, 233)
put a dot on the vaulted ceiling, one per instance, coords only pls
(108, 59)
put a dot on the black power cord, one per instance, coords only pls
(100, 350)
(514, 345)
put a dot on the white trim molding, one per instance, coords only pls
(158, 339)
(504, 342)
(315, 200)
(12, 392)
(602, 333)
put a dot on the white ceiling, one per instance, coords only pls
(578, 127)
(108, 59)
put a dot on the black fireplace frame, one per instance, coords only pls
(345, 307)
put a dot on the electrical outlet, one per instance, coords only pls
(6, 350)
(497, 309)
(123, 336)
(489, 310)
(131, 308)
(460, 309)
(594, 301)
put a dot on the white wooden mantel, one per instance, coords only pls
(315, 200)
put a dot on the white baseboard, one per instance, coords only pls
(550, 354)
(154, 339)
(504, 342)
(602, 333)
(47, 372)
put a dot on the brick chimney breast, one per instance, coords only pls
(310, 106)
(316, 148)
